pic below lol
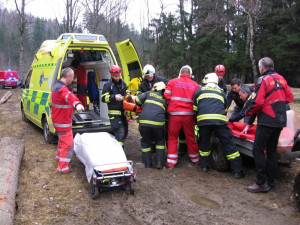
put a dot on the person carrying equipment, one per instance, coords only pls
(151, 124)
(113, 94)
(210, 105)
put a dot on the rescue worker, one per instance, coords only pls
(113, 94)
(220, 71)
(234, 94)
(210, 105)
(150, 78)
(62, 103)
(82, 81)
(272, 95)
(152, 122)
(179, 93)
(246, 95)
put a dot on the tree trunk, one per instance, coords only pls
(21, 13)
(251, 46)
(11, 153)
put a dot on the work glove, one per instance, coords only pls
(79, 108)
(118, 97)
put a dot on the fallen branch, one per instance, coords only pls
(5, 97)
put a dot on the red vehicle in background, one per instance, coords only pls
(9, 79)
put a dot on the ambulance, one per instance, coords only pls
(94, 53)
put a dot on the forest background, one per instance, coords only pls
(200, 33)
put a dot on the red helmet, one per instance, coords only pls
(220, 70)
(115, 70)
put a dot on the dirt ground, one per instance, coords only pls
(184, 195)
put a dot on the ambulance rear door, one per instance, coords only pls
(131, 65)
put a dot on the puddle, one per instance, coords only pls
(205, 202)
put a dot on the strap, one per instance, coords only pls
(277, 86)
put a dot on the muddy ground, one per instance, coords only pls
(184, 195)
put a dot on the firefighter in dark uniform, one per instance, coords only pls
(150, 78)
(210, 105)
(113, 94)
(272, 95)
(152, 124)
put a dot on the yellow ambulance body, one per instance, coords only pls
(94, 53)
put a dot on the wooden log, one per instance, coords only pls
(11, 153)
(5, 97)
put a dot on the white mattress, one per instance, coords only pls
(100, 151)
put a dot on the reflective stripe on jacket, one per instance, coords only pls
(154, 109)
(63, 102)
(110, 89)
(179, 93)
(210, 105)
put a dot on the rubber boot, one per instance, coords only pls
(160, 154)
(147, 159)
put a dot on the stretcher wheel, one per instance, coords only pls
(94, 192)
(131, 187)
(296, 189)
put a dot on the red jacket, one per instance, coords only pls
(179, 93)
(63, 102)
(270, 102)
(81, 75)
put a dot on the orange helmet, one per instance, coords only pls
(115, 70)
(220, 70)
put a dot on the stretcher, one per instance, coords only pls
(286, 150)
(105, 162)
(285, 144)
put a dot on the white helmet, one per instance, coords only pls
(210, 78)
(159, 86)
(149, 70)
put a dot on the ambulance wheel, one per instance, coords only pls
(219, 160)
(48, 136)
(296, 189)
(24, 118)
(131, 187)
(94, 192)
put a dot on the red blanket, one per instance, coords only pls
(285, 142)
(237, 128)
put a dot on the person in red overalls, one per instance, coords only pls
(82, 81)
(179, 93)
(62, 103)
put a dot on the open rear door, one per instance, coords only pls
(131, 65)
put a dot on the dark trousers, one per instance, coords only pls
(224, 134)
(266, 138)
(150, 134)
(119, 125)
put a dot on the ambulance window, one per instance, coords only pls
(27, 81)
(134, 70)
(65, 37)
